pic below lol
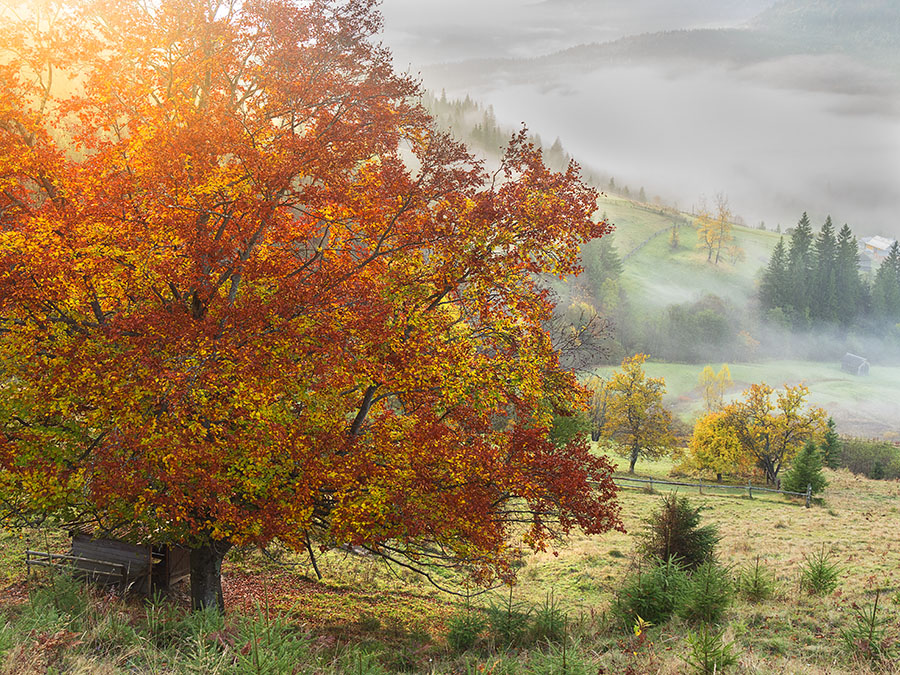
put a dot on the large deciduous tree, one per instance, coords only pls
(771, 426)
(716, 448)
(248, 293)
(633, 411)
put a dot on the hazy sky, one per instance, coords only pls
(425, 31)
(809, 133)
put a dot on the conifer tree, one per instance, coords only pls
(831, 446)
(886, 288)
(800, 266)
(773, 289)
(806, 470)
(824, 290)
(849, 287)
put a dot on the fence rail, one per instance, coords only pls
(714, 486)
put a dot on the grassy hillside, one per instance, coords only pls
(362, 618)
(656, 275)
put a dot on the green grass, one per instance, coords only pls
(861, 406)
(364, 618)
(657, 276)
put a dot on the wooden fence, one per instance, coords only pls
(651, 482)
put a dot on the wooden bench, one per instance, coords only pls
(102, 572)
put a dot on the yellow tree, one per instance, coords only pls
(706, 232)
(714, 231)
(772, 426)
(713, 386)
(716, 448)
(635, 414)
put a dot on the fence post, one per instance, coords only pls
(701, 485)
(808, 494)
(749, 489)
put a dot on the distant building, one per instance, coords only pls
(855, 365)
(876, 247)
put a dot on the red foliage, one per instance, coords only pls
(248, 292)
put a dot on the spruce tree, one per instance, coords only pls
(806, 470)
(849, 286)
(886, 289)
(824, 290)
(773, 289)
(800, 267)
(831, 446)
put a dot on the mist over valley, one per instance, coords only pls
(778, 108)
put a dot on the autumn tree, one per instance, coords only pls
(249, 293)
(716, 448)
(772, 426)
(634, 412)
(713, 386)
(715, 231)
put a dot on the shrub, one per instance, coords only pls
(819, 572)
(464, 629)
(509, 622)
(707, 594)
(549, 623)
(709, 651)
(673, 531)
(806, 470)
(652, 594)
(867, 637)
(873, 459)
(756, 582)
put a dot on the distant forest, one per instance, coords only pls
(815, 280)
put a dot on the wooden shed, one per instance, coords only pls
(108, 559)
(855, 365)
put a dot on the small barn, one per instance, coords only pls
(107, 559)
(855, 365)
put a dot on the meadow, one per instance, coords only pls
(867, 407)
(364, 617)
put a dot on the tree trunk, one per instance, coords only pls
(206, 576)
(634, 457)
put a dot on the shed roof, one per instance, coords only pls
(853, 360)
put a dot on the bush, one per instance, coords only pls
(819, 573)
(709, 652)
(673, 531)
(806, 470)
(464, 629)
(652, 594)
(756, 582)
(707, 594)
(509, 622)
(873, 459)
(867, 637)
